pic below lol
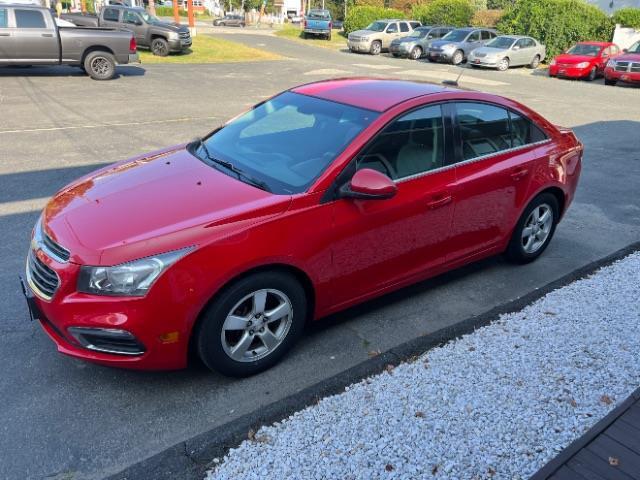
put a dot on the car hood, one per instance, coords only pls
(174, 27)
(574, 59)
(488, 51)
(152, 204)
(362, 33)
(628, 57)
(441, 43)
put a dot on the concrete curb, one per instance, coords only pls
(190, 459)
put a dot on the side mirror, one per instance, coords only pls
(516, 47)
(368, 184)
(625, 50)
(138, 22)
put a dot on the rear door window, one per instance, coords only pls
(29, 19)
(524, 131)
(111, 14)
(404, 27)
(4, 18)
(474, 37)
(484, 129)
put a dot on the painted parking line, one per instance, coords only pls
(328, 71)
(451, 76)
(375, 67)
(107, 125)
(23, 206)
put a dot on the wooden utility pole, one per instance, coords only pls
(176, 14)
(192, 22)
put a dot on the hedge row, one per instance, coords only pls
(359, 17)
(444, 12)
(627, 17)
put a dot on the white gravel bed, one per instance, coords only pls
(498, 403)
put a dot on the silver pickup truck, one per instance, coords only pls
(29, 35)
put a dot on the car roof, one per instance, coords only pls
(371, 93)
(597, 44)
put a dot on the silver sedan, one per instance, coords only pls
(508, 51)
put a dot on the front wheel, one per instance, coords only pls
(503, 65)
(100, 65)
(376, 48)
(252, 324)
(416, 53)
(534, 230)
(535, 62)
(457, 58)
(160, 47)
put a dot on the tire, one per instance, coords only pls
(535, 62)
(416, 53)
(503, 65)
(215, 343)
(611, 83)
(592, 74)
(160, 47)
(395, 55)
(329, 37)
(517, 251)
(376, 48)
(458, 57)
(100, 65)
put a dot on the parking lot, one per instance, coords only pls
(66, 419)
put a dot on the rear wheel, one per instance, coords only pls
(534, 230)
(376, 48)
(535, 62)
(160, 47)
(100, 65)
(457, 58)
(503, 65)
(416, 53)
(252, 324)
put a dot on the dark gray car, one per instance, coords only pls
(151, 32)
(29, 35)
(456, 45)
(416, 44)
(231, 20)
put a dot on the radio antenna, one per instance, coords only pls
(453, 83)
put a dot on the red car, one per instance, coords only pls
(624, 68)
(319, 198)
(584, 60)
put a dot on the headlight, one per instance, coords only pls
(448, 46)
(128, 279)
(174, 35)
(611, 63)
(582, 65)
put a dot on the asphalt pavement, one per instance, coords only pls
(63, 418)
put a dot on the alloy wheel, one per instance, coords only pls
(458, 57)
(503, 65)
(100, 66)
(257, 325)
(537, 228)
(416, 53)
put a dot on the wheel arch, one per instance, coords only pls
(95, 48)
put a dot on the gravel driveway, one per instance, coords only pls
(498, 403)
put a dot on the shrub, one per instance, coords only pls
(627, 17)
(556, 23)
(444, 12)
(486, 18)
(369, 3)
(360, 17)
(168, 12)
(499, 4)
(479, 4)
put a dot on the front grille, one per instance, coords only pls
(355, 39)
(41, 277)
(184, 35)
(480, 55)
(622, 66)
(633, 67)
(58, 251)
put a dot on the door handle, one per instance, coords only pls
(519, 173)
(47, 34)
(439, 200)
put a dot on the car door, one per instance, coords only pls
(472, 42)
(493, 171)
(391, 33)
(382, 242)
(111, 17)
(6, 34)
(34, 35)
(133, 22)
(404, 29)
(521, 53)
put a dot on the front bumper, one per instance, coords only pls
(180, 44)
(313, 31)
(149, 333)
(483, 62)
(401, 49)
(440, 55)
(359, 46)
(568, 72)
(628, 77)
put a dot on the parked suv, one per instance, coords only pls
(456, 45)
(231, 20)
(317, 22)
(379, 35)
(149, 31)
(416, 44)
(624, 68)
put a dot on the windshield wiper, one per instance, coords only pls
(230, 166)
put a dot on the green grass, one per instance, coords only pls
(291, 32)
(207, 49)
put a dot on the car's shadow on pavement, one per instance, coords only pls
(65, 71)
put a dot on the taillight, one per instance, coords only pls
(132, 45)
(304, 24)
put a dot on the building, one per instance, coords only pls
(610, 6)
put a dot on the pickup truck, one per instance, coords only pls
(317, 22)
(150, 32)
(29, 35)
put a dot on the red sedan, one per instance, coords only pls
(584, 60)
(322, 197)
(624, 68)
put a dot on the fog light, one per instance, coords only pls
(107, 340)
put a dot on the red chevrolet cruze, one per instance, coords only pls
(321, 197)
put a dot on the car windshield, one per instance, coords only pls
(319, 15)
(149, 18)
(286, 142)
(456, 35)
(501, 42)
(419, 33)
(377, 26)
(583, 49)
(635, 48)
